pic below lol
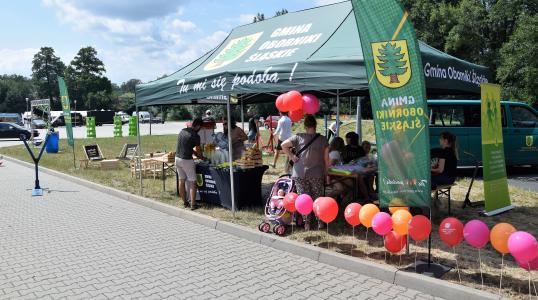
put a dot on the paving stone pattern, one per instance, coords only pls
(76, 243)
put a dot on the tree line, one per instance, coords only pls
(84, 76)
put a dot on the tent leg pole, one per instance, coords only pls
(358, 125)
(242, 117)
(230, 161)
(337, 112)
(139, 148)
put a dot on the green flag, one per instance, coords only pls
(66, 107)
(496, 195)
(398, 96)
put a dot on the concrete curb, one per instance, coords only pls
(432, 286)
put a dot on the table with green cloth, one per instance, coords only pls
(214, 185)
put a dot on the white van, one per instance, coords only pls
(145, 116)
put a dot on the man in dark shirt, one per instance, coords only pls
(252, 128)
(187, 140)
(352, 150)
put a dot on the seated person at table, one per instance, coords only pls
(372, 162)
(188, 139)
(352, 150)
(444, 160)
(336, 148)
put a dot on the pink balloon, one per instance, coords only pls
(310, 104)
(476, 233)
(523, 246)
(303, 204)
(530, 266)
(382, 223)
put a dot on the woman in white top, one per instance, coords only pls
(336, 147)
(282, 133)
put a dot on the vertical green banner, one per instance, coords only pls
(90, 127)
(66, 107)
(398, 96)
(118, 130)
(133, 126)
(495, 183)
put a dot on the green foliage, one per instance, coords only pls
(518, 71)
(129, 85)
(46, 67)
(14, 89)
(86, 82)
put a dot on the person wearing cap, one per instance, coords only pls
(188, 144)
(208, 116)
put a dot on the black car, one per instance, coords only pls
(14, 131)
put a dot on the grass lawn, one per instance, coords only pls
(340, 237)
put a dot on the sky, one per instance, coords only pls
(134, 38)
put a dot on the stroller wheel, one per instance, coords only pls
(260, 226)
(265, 227)
(279, 230)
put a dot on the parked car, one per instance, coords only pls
(463, 119)
(38, 124)
(11, 118)
(158, 120)
(273, 120)
(15, 131)
(145, 116)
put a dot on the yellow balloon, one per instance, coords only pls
(499, 236)
(394, 209)
(400, 221)
(367, 213)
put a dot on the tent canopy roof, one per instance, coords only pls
(317, 50)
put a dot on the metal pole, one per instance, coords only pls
(337, 112)
(149, 122)
(139, 148)
(242, 117)
(232, 192)
(358, 124)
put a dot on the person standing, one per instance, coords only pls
(252, 129)
(310, 160)
(238, 138)
(282, 133)
(188, 143)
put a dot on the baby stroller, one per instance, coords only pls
(275, 213)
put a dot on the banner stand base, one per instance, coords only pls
(37, 192)
(429, 269)
(497, 211)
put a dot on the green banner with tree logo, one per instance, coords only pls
(66, 107)
(398, 95)
(495, 183)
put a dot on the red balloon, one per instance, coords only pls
(293, 100)
(352, 214)
(296, 115)
(420, 228)
(394, 242)
(280, 103)
(327, 209)
(289, 202)
(315, 206)
(451, 231)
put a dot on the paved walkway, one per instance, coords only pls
(75, 243)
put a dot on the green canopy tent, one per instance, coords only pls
(316, 50)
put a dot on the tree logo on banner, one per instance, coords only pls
(391, 62)
(529, 140)
(233, 51)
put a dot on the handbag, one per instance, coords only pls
(290, 162)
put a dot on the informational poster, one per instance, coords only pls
(398, 95)
(496, 195)
(66, 107)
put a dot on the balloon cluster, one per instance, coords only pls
(395, 228)
(503, 237)
(325, 208)
(297, 105)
